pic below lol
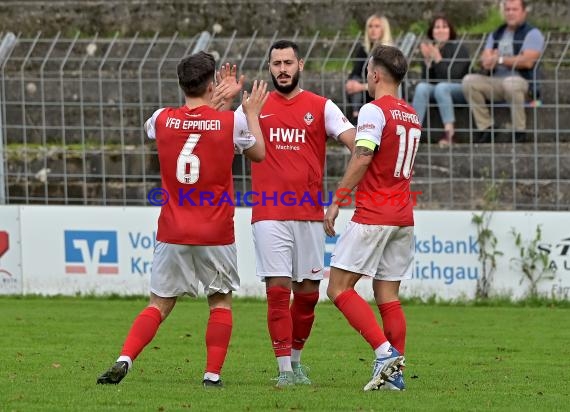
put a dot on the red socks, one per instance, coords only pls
(279, 320)
(142, 331)
(394, 323)
(218, 336)
(360, 316)
(303, 315)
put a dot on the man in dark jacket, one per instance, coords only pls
(510, 56)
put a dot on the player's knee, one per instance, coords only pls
(306, 301)
(220, 301)
(164, 305)
(164, 311)
(277, 301)
(333, 292)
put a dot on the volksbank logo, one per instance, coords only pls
(91, 252)
(6, 278)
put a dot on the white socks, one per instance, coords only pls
(383, 351)
(127, 359)
(214, 377)
(284, 363)
(296, 356)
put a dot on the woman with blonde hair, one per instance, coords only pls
(376, 31)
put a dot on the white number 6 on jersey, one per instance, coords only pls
(188, 164)
(404, 164)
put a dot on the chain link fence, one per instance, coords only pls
(72, 111)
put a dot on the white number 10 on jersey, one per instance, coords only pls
(406, 152)
(188, 164)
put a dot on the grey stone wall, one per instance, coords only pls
(245, 16)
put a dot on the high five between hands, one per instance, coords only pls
(227, 87)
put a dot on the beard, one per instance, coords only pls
(286, 89)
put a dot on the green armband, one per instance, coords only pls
(366, 143)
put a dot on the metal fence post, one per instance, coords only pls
(202, 43)
(557, 121)
(6, 47)
(101, 120)
(44, 122)
(122, 116)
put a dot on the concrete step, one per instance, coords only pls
(114, 163)
(500, 160)
(471, 194)
(506, 161)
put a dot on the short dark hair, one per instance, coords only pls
(452, 32)
(392, 60)
(524, 3)
(195, 73)
(283, 44)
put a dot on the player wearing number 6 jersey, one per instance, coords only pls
(195, 146)
(379, 241)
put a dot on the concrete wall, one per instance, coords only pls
(192, 16)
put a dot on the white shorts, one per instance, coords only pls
(385, 252)
(177, 269)
(290, 248)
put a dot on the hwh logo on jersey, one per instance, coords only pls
(91, 252)
(281, 135)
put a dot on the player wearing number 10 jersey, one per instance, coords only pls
(379, 241)
(195, 146)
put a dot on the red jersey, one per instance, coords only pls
(196, 151)
(288, 184)
(383, 195)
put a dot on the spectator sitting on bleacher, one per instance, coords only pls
(376, 31)
(510, 55)
(444, 65)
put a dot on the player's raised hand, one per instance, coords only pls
(227, 87)
(330, 217)
(253, 103)
(218, 101)
(227, 77)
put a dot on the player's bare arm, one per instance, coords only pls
(357, 167)
(252, 105)
(347, 138)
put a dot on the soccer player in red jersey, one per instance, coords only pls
(287, 210)
(195, 236)
(379, 241)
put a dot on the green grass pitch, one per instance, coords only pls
(459, 358)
